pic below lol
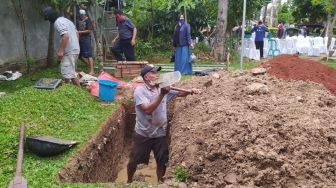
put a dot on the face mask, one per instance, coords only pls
(181, 21)
(120, 19)
(151, 79)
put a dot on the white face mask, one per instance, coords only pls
(149, 82)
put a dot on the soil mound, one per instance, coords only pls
(293, 67)
(246, 130)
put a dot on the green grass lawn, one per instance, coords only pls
(68, 112)
(246, 65)
(28, 80)
(331, 63)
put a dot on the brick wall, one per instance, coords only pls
(129, 69)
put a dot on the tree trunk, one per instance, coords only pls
(50, 56)
(152, 20)
(330, 26)
(219, 42)
(265, 13)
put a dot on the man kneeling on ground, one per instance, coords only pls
(151, 123)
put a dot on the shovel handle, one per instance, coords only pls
(20, 153)
(180, 89)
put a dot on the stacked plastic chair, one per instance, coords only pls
(272, 47)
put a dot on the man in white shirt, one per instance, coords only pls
(69, 46)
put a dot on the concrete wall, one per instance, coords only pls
(11, 40)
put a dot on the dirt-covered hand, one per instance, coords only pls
(60, 54)
(195, 91)
(165, 90)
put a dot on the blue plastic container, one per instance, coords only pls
(107, 90)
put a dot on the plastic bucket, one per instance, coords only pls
(107, 90)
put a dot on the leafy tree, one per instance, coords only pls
(235, 11)
(285, 14)
(329, 7)
(157, 18)
(306, 10)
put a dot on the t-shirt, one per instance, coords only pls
(125, 29)
(62, 26)
(155, 124)
(260, 31)
(83, 25)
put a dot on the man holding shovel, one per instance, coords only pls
(151, 122)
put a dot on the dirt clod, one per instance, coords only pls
(258, 71)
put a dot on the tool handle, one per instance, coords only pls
(180, 89)
(20, 154)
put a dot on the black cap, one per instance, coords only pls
(149, 68)
(50, 14)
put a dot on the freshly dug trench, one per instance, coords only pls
(99, 160)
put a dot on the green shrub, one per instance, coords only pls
(273, 31)
(149, 47)
(202, 46)
(181, 175)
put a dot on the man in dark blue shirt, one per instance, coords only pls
(260, 31)
(125, 40)
(84, 27)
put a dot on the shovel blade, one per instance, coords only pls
(169, 79)
(18, 182)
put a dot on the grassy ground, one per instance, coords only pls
(246, 65)
(67, 113)
(330, 63)
(28, 80)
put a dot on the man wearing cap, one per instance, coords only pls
(124, 42)
(69, 47)
(84, 26)
(151, 123)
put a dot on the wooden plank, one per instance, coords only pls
(194, 65)
(133, 62)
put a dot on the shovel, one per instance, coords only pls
(171, 78)
(19, 181)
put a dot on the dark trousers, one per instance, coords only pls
(124, 47)
(260, 46)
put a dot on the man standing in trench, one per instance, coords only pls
(151, 123)
(69, 46)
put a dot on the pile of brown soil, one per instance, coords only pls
(276, 133)
(293, 67)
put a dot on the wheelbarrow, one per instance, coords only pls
(46, 146)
